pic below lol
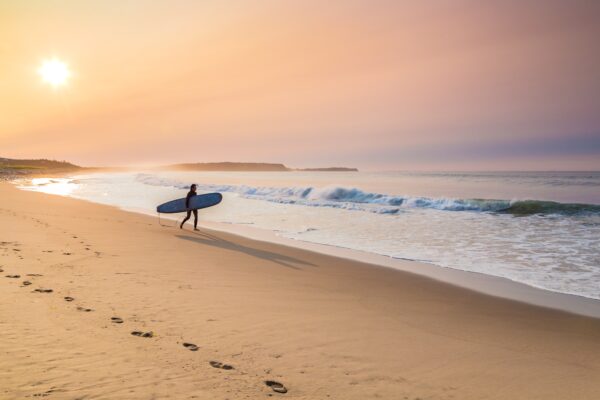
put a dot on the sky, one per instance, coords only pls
(378, 85)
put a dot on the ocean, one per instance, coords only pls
(537, 228)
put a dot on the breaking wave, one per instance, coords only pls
(356, 199)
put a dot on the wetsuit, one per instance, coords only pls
(189, 212)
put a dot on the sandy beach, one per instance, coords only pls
(250, 312)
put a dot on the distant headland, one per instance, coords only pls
(328, 169)
(240, 166)
(13, 168)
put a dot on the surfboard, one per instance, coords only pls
(196, 202)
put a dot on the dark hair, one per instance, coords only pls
(193, 186)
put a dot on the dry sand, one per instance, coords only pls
(325, 327)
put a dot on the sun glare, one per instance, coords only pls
(54, 72)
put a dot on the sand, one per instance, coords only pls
(324, 327)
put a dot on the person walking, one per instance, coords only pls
(189, 196)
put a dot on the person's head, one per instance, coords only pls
(193, 188)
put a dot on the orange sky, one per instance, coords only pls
(374, 84)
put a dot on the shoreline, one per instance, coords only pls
(485, 284)
(323, 326)
(479, 282)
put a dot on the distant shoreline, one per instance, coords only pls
(15, 168)
(239, 166)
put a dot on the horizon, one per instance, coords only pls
(451, 86)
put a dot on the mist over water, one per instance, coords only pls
(541, 229)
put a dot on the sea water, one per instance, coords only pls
(538, 228)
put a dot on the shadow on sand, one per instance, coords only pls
(212, 240)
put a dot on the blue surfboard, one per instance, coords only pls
(196, 202)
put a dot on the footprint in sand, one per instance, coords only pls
(217, 364)
(83, 309)
(35, 275)
(43, 290)
(69, 298)
(191, 346)
(116, 320)
(143, 334)
(1, 270)
(66, 254)
(276, 386)
(45, 394)
(26, 283)
(13, 276)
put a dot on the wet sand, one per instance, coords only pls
(110, 305)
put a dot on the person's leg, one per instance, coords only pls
(195, 219)
(185, 219)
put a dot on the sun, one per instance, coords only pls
(54, 72)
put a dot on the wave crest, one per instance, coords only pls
(357, 199)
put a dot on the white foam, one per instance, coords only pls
(336, 196)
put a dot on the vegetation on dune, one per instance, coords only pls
(12, 168)
(34, 164)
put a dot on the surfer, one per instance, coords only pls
(189, 196)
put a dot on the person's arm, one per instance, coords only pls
(187, 200)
